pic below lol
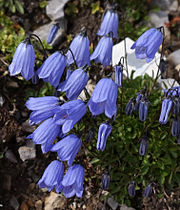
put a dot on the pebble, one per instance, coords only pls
(10, 156)
(38, 205)
(112, 203)
(12, 84)
(174, 57)
(54, 201)
(14, 203)
(27, 153)
(177, 68)
(1, 101)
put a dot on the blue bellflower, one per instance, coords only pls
(75, 84)
(73, 181)
(52, 176)
(104, 98)
(148, 190)
(109, 24)
(132, 189)
(143, 109)
(67, 148)
(103, 133)
(118, 75)
(80, 49)
(148, 44)
(69, 114)
(175, 130)
(130, 106)
(105, 180)
(53, 68)
(52, 33)
(165, 109)
(103, 52)
(138, 98)
(143, 146)
(23, 60)
(62, 84)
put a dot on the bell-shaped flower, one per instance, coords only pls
(103, 133)
(52, 33)
(132, 189)
(105, 180)
(35, 79)
(148, 190)
(104, 98)
(73, 181)
(137, 102)
(80, 49)
(148, 44)
(143, 109)
(75, 84)
(53, 68)
(67, 148)
(176, 106)
(165, 109)
(130, 106)
(23, 60)
(109, 23)
(143, 146)
(175, 129)
(103, 52)
(69, 114)
(45, 134)
(52, 176)
(118, 75)
(62, 84)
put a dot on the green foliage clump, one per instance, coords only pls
(12, 5)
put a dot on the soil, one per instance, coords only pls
(18, 179)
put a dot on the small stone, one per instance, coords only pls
(7, 182)
(12, 84)
(174, 58)
(20, 139)
(14, 203)
(10, 156)
(177, 68)
(124, 207)
(44, 190)
(23, 206)
(112, 203)
(84, 207)
(54, 201)
(38, 205)
(27, 153)
(1, 101)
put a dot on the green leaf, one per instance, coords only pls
(12, 8)
(19, 7)
(43, 4)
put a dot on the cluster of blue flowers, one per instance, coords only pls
(57, 119)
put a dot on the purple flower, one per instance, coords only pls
(148, 44)
(67, 148)
(52, 176)
(165, 109)
(105, 180)
(103, 52)
(69, 114)
(118, 75)
(132, 189)
(143, 146)
(23, 60)
(80, 49)
(35, 78)
(53, 68)
(109, 24)
(73, 181)
(75, 84)
(143, 109)
(148, 190)
(62, 84)
(104, 98)
(130, 106)
(103, 133)
(45, 134)
(138, 98)
(52, 34)
(175, 130)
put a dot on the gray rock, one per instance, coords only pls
(1, 101)
(54, 201)
(27, 153)
(167, 83)
(162, 4)
(112, 203)
(124, 207)
(55, 9)
(174, 57)
(14, 203)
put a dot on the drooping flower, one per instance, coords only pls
(69, 114)
(35, 78)
(148, 190)
(109, 23)
(45, 134)
(52, 176)
(176, 106)
(143, 109)
(105, 180)
(130, 106)
(53, 68)
(104, 98)
(118, 75)
(165, 109)
(138, 98)
(67, 148)
(62, 84)
(52, 33)
(73, 181)
(175, 130)
(75, 83)
(103, 133)
(80, 49)
(132, 189)
(23, 60)
(148, 44)
(143, 146)
(103, 52)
